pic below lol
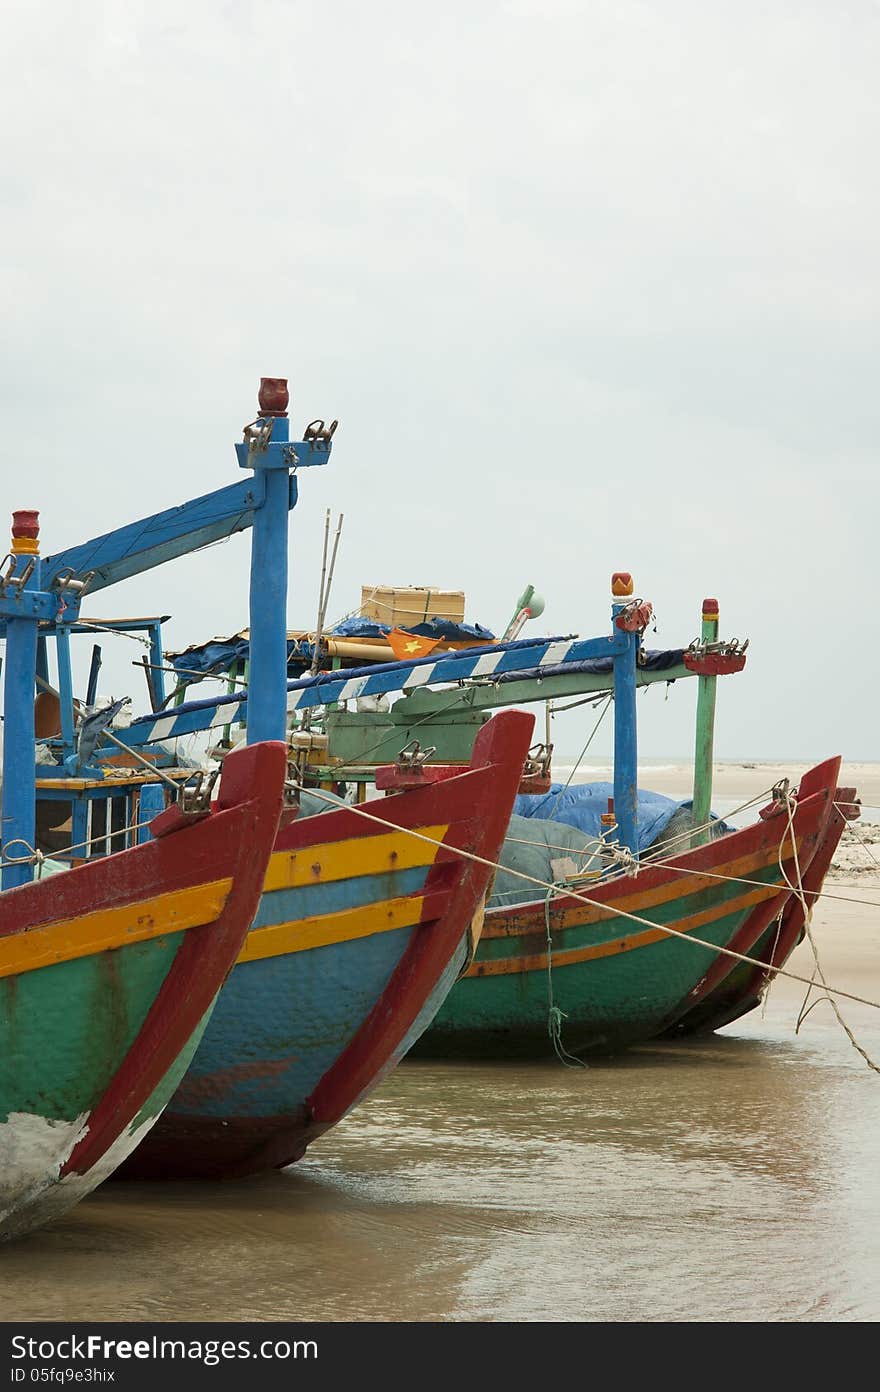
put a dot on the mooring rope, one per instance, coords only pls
(555, 1015)
(741, 879)
(36, 857)
(818, 971)
(591, 903)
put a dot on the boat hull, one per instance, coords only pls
(618, 982)
(107, 977)
(742, 990)
(361, 932)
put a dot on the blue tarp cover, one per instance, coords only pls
(450, 632)
(581, 805)
(217, 656)
(655, 661)
(210, 657)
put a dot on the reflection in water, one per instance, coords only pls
(723, 1178)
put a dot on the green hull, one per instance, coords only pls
(616, 977)
(65, 1031)
(607, 1003)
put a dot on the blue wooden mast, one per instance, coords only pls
(49, 592)
(24, 603)
(267, 451)
(626, 798)
(21, 580)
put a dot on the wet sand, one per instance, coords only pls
(732, 1177)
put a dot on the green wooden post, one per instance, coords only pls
(704, 751)
(231, 682)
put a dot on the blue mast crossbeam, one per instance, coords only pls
(330, 687)
(129, 550)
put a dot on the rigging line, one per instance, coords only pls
(551, 846)
(577, 764)
(192, 672)
(582, 898)
(117, 632)
(663, 847)
(37, 856)
(592, 700)
(808, 914)
(866, 845)
(739, 879)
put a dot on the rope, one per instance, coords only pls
(664, 846)
(740, 879)
(551, 845)
(37, 857)
(577, 764)
(118, 632)
(865, 844)
(555, 1016)
(33, 858)
(591, 903)
(818, 971)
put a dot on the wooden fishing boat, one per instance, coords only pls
(743, 988)
(618, 981)
(109, 970)
(362, 930)
(108, 973)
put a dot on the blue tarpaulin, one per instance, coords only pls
(654, 660)
(581, 805)
(445, 629)
(217, 656)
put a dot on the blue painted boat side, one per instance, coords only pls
(307, 901)
(281, 1022)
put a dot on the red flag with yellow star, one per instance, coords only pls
(407, 645)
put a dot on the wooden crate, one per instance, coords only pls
(404, 606)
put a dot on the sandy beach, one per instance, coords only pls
(745, 780)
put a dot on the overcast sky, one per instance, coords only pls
(590, 286)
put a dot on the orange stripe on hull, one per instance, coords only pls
(567, 957)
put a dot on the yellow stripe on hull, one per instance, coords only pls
(503, 966)
(343, 860)
(106, 929)
(322, 930)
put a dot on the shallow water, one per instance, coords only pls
(729, 1178)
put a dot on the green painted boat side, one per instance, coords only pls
(108, 974)
(60, 1013)
(608, 1002)
(618, 982)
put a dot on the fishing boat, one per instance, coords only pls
(633, 940)
(619, 960)
(368, 916)
(368, 913)
(108, 972)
